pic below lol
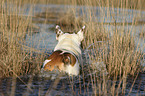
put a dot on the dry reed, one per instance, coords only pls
(118, 51)
(120, 54)
(13, 30)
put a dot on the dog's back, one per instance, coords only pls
(69, 43)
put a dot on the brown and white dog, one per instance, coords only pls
(67, 53)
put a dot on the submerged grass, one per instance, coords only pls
(118, 51)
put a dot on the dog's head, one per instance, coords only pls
(78, 37)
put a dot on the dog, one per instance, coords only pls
(67, 54)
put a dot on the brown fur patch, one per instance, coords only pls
(69, 58)
(59, 60)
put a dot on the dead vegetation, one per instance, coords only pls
(119, 54)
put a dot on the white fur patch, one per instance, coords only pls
(73, 70)
(57, 27)
(83, 27)
(45, 62)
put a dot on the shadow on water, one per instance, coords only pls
(53, 84)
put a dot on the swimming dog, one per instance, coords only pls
(67, 53)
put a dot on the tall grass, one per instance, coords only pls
(117, 51)
(13, 29)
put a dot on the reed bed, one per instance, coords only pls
(13, 29)
(117, 52)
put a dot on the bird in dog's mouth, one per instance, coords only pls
(67, 55)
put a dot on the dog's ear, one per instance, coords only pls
(58, 32)
(81, 32)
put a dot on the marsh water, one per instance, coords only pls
(60, 84)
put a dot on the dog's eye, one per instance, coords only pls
(59, 32)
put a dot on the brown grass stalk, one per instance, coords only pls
(118, 51)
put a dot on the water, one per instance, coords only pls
(56, 83)
(63, 85)
(44, 40)
(98, 14)
(117, 15)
